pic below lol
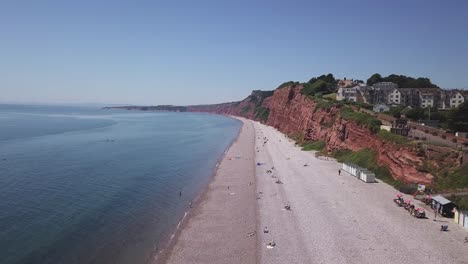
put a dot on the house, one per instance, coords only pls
(347, 83)
(386, 93)
(385, 85)
(452, 98)
(430, 97)
(348, 94)
(400, 127)
(410, 97)
(443, 206)
(352, 94)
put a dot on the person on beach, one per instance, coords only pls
(339, 172)
(180, 193)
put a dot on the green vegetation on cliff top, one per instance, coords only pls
(384, 135)
(402, 81)
(454, 180)
(367, 158)
(324, 84)
(362, 119)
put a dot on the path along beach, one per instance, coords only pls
(333, 218)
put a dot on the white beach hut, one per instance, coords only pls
(463, 219)
(367, 176)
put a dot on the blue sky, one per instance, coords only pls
(192, 52)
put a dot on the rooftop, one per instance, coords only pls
(442, 200)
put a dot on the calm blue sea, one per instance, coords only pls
(85, 185)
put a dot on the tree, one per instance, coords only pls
(458, 118)
(323, 84)
(375, 78)
(402, 81)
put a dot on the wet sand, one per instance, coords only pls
(219, 229)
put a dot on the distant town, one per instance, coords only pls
(383, 95)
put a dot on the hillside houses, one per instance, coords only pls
(387, 93)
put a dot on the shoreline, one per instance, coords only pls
(216, 230)
(166, 246)
(332, 218)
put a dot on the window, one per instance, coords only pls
(459, 101)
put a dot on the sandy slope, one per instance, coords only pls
(217, 232)
(338, 219)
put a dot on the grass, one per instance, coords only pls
(297, 137)
(290, 83)
(262, 113)
(245, 109)
(394, 138)
(455, 180)
(362, 119)
(367, 158)
(461, 201)
(331, 96)
(323, 104)
(314, 145)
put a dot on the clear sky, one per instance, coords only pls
(192, 52)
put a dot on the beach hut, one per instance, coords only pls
(367, 176)
(443, 206)
(460, 218)
(456, 216)
(463, 219)
(465, 222)
(358, 172)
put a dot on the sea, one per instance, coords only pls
(91, 185)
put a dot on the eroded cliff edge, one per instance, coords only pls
(299, 116)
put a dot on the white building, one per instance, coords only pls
(456, 99)
(394, 97)
(348, 94)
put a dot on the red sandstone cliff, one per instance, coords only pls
(291, 113)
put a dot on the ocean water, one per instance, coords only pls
(85, 185)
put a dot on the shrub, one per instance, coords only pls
(324, 104)
(367, 158)
(290, 83)
(362, 119)
(457, 179)
(262, 113)
(394, 138)
(460, 201)
(314, 145)
(245, 109)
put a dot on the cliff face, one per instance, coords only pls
(294, 114)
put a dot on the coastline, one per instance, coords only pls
(172, 244)
(332, 218)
